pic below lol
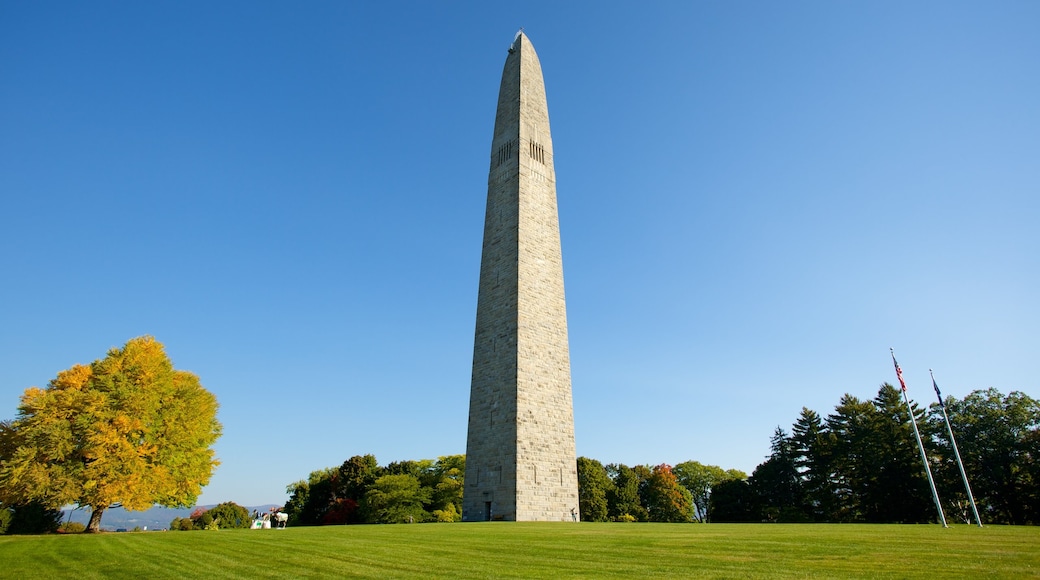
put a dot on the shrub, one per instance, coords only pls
(448, 514)
(72, 528)
(34, 518)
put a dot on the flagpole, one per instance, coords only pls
(956, 453)
(920, 445)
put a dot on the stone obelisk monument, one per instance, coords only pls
(520, 457)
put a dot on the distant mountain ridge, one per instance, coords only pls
(154, 518)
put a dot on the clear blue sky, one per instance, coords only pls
(757, 200)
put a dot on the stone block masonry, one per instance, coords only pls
(520, 455)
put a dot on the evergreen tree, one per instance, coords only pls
(776, 484)
(899, 491)
(849, 427)
(811, 446)
(33, 518)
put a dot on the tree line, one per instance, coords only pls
(662, 493)
(362, 491)
(861, 464)
(225, 516)
(858, 464)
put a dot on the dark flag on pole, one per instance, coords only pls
(899, 374)
(937, 393)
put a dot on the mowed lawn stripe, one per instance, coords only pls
(536, 550)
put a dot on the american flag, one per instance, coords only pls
(899, 372)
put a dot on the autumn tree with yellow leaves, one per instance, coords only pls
(127, 430)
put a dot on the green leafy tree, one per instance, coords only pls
(126, 430)
(625, 497)
(447, 485)
(299, 494)
(394, 499)
(341, 495)
(1031, 473)
(230, 515)
(1000, 446)
(201, 519)
(353, 480)
(700, 480)
(356, 475)
(733, 501)
(420, 469)
(312, 499)
(182, 524)
(593, 486)
(642, 474)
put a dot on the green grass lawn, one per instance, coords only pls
(536, 550)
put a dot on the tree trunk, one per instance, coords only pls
(94, 525)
